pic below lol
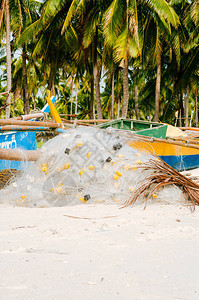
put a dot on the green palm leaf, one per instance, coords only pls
(112, 21)
(75, 5)
(162, 8)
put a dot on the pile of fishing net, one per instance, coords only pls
(81, 165)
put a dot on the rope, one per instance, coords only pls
(37, 110)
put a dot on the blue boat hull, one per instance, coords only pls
(17, 140)
(20, 140)
(181, 163)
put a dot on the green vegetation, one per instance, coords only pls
(144, 53)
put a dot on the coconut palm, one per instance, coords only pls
(29, 14)
(185, 75)
(81, 21)
(16, 15)
(111, 68)
(5, 13)
(89, 14)
(121, 32)
(125, 30)
(50, 46)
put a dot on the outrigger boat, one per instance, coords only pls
(20, 134)
(172, 145)
(16, 140)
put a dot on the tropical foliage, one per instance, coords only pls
(101, 59)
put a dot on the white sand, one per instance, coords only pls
(121, 254)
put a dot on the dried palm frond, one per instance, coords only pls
(163, 175)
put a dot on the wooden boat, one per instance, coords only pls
(16, 140)
(172, 145)
(169, 143)
(20, 134)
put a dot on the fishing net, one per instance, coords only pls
(81, 165)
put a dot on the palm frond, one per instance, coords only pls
(121, 45)
(50, 10)
(72, 10)
(113, 21)
(177, 49)
(164, 175)
(90, 27)
(30, 32)
(133, 48)
(164, 9)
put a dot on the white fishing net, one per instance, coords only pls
(82, 165)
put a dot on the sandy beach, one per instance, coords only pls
(99, 252)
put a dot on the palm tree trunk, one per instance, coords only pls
(112, 98)
(2, 11)
(92, 99)
(34, 102)
(94, 112)
(118, 108)
(149, 113)
(76, 91)
(97, 92)
(50, 86)
(17, 93)
(96, 75)
(157, 88)
(136, 102)
(125, 89)
(71, 95)
(181, 110)
(196, 94)
(187, 108)
(25, 85)
(8, 60)
(13, 107)
(180, 118)
(136, 98)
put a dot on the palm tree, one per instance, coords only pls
(122, 20)
(196, 96)
(3, 3)
(184, 74)
(78, 22)
(50, 46)
(28, 10)
(140, 40)
(88, 15)
(121, 32)
(5, 8)
(16, 15)
(111, 67)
